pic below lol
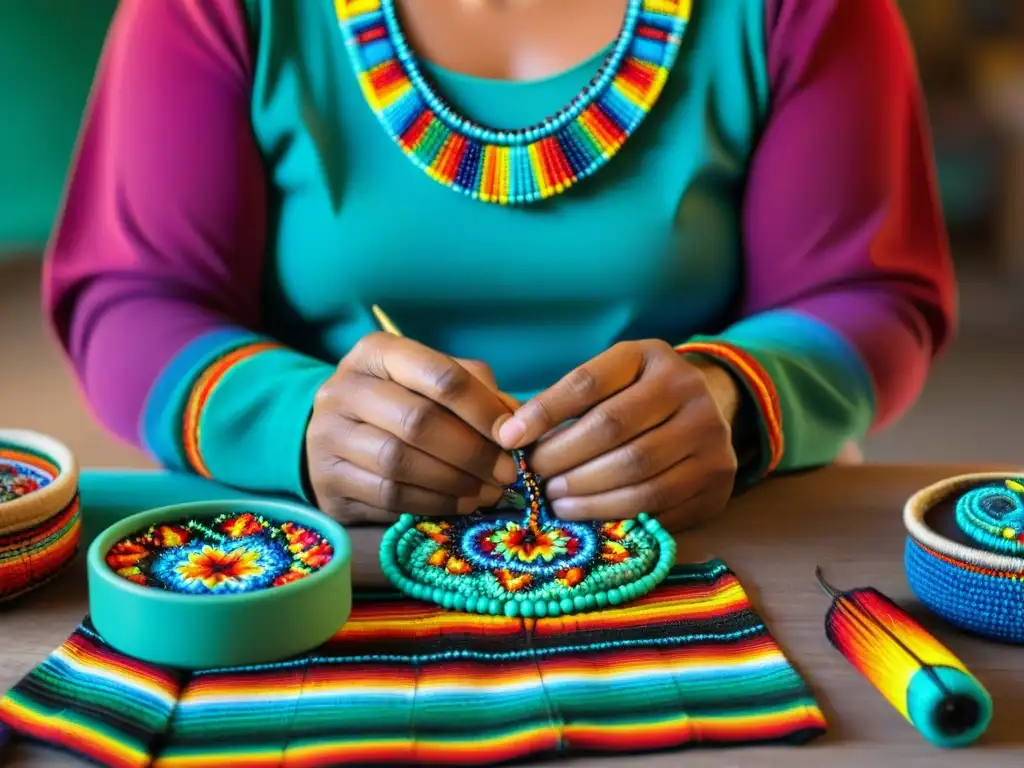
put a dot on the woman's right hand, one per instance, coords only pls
(400, 427)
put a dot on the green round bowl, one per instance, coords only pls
(205, 631)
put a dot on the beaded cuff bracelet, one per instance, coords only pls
(978, 590)
(519, 560)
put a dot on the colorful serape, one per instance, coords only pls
(408, 683)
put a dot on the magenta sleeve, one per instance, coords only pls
(152, 280)
(842, 219)
(849, 291)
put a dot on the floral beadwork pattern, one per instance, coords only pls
(227, 555)
(993, 516)
(519, 560)
(20, 478)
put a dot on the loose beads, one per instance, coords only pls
(513, 166)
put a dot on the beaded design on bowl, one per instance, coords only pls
(20, 476)
(35, 550)
(993, 516)
(519, 560)
(229, 554)
(974, 588)
(515, 166)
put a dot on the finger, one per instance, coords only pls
(572, 396)
(384, 454)
(424, 424)
(695, 511)
(483, 372)
(650, 454)
(437, 377)
(614, 423)
(350, 512)
(671, 489)
(350, 483)
(510, 402)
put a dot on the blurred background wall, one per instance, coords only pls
(971, 60)
(48, 50)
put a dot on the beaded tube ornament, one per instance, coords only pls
(915, 673)
(519, 560)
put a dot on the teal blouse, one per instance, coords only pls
(235, 209)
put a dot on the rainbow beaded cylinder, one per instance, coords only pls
(525, 562)
(979, 589)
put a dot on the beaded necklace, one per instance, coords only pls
(528, 164)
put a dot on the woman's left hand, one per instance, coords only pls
(654, 434)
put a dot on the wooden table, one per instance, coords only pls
(846, 519)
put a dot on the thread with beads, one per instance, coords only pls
(523, 165)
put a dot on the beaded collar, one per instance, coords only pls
(528, 164)
(519, 560)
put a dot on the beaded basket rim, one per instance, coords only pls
(918, 506)
(38, 506)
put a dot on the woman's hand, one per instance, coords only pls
(654, 435)
(403, 428)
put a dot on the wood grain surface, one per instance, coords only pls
(847, 519)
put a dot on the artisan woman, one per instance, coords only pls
(683, 244)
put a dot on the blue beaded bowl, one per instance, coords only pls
(978, 590)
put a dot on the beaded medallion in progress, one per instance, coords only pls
(519, 560)
(993, 516)
(528, 164)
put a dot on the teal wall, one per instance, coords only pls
(48, 53)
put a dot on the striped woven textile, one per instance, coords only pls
(407, 683)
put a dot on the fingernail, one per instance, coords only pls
(505, 470)
(511, 432)
(556, 487)
(563, 507)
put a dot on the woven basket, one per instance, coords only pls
(40, 530)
